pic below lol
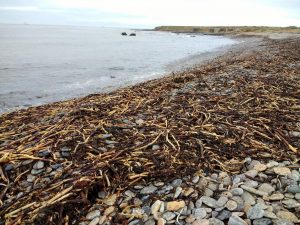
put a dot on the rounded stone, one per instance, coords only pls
(237, 191)
(95, 221)
(287, 216)
(39, 165)
(283, 171)
(262, 221)
(236, 220)
(215, 221)
(93, 214)
(231, 205)
(255, 212)
(201, 222)
(169, 216)
(293, 189)
(161, 221)
(200, 213)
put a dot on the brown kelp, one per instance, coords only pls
(54, 158)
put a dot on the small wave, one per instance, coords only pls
(116, 68)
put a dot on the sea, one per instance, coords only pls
(41, 64)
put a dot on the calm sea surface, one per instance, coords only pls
(42, 64)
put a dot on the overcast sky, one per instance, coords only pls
(151, 13)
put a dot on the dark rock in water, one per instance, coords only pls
(124, 33)
(132, 34)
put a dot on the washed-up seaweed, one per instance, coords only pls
(55, 158)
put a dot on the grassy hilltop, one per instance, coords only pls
(228, 29)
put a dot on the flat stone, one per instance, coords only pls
(222, 201)
(271, 164)
(176, 183)
(297, 196)
(208, 192)
(248, 198)
(195, 179)
(265, 187)
(283, 171)
(110, 200)
(135, 222)
(150, 222)
(270, 215)
(260, 167)
(95, 221)
(200, 213)
(36, 172)
(276, 197)
(155, 207)
(93, 214)
(169, 216)
(224, 215)
(209, 201)
(148, 190)
(177, 192)
(262, 221)
(188, 191)
(190, 219)
(155, 147)
(109, 210)
(293, 189)
(175, 205)
(199, 203)
(254, 191)
(251, 173)
(235, 220)
(282, 222)
(237, 191)
(287, 216)
(161, 221)
(38, 165)
(201, 222)
(30, 178)
(291, 203)
(215, 221)
(231, 205)
(255, 212)
(251, 183)
(213, 186)
(289, 195)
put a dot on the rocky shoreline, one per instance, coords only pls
(217, 144)
(263, 194)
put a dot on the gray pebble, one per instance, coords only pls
(268, 188)
(38, 165)
(35, 172)
(235, 220)
(215, 221)
(150, 222)
(95, 221)
(169, 216)
(209, 201)
(282, 222)
(176, 183)
(255, 212)
(9, 167)
(237, 191)
(30, 178)
(293, 189)
(93, 214)
(224, 215)
(200, 213)
(262, 221)
(148, 190)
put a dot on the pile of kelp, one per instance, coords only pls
(55, 158)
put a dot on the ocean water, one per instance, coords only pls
(42, 64)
